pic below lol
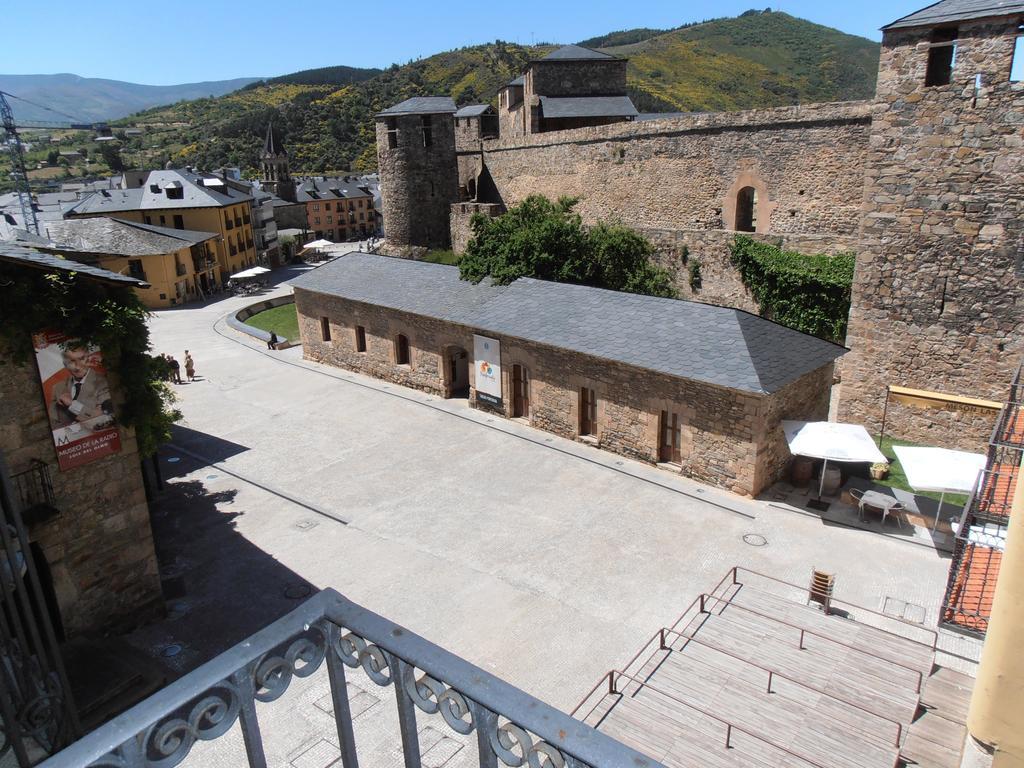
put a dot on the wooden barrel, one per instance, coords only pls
(833, 479)
(801, 471)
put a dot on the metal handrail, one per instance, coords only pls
(807, 631)
(773, 674)
(730, 726)
(916, 627)
(328, 627)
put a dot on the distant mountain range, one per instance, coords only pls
(92, 99)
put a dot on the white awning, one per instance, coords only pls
(318, 244)
(831, 441)
(251, 272)
(939, 469)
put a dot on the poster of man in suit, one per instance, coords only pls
(78, 401)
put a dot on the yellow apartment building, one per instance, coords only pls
(184, 200)
(178, 264)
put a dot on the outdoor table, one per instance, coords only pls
(881, 501)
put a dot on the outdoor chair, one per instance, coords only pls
(820, 591)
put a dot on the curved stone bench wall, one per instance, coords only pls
(237, 321)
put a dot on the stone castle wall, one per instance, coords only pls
(99, 549)
(684, 173)
(590, 77)
(729, 438)
(937, 296)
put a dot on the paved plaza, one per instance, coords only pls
(544, 561)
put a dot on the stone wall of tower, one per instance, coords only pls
(418, 183)
(937, 298)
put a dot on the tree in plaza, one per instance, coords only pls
(547, 240)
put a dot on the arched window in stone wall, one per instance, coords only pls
(746, 210)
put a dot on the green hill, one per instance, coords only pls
(325, 116)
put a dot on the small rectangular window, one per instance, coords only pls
(360, 339)
(428, 135)
(179, 222)
(325, 329)
(1017, 68)
(392, 126)
(941, 57)
(401, 350)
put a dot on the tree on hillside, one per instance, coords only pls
(112, 156)
(547, 240)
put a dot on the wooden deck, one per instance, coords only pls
(842, 694)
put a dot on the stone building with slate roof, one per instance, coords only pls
(923, 184)
(697, 388)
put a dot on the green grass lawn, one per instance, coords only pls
(898, 479)
(283, 320)
(438, 256)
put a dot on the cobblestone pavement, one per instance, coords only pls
(539, 559)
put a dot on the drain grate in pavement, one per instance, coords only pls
(441, 753)
(171, 650)
(901, 609)
(319, 755)
(359, 701)
(305, 525)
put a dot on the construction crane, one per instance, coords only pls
(17, 153)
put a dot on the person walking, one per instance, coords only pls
(190, 366)
(175, 369)
(272, 344)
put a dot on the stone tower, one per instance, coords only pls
(274, 161)
(937, 296)
(419, 177)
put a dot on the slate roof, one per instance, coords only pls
(474, 110)
(102, 234)
(421, 105)
(329, 188)
(948, 11)
(29, 258)
(521, 80)
(152, 195)
(576, 53)
(587, 106)
(717, 345)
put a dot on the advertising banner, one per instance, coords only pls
(487, 358)
(77, 398)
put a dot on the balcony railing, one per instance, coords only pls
(512, 728)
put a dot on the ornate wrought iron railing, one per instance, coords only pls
(37, 713)
(512, 728)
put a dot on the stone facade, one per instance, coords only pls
(729, 438)
(937, 296)
(419, 177)
(685, 173)
(461, 215)
(99, 549)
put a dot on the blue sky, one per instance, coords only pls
(217, 40)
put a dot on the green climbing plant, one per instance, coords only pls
(809, 293)
(111, 318)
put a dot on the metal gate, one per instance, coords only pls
(37, 714)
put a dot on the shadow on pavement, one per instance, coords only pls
(219, 586)
(211, 448)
